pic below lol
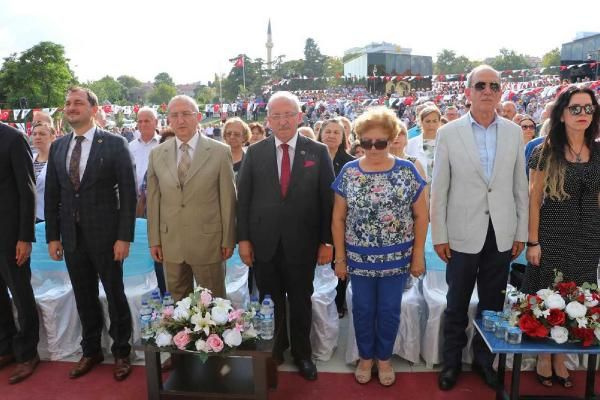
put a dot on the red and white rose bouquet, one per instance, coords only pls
(564, 312)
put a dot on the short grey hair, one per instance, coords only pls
(187, 99)
(290, 97)
(477, 69)
(148, 109)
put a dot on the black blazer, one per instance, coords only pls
(340, 159)
(17, 190)
(302, 220)
(105, 200)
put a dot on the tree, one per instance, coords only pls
(41, 75)
(508, 60)
(162, 93)
(551, 58)
(448, 62)
(206, 94)
(108, 89)
(163, 77)
(129, 81)
(314, 61)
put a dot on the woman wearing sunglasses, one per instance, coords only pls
(564, 207)
(379, 226)
(527, 125)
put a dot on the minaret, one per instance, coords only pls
(269, 47)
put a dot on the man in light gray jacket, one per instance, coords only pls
(479, 215)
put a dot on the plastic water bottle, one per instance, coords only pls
(156, 301)
(255, 305)
(145, 320)
(167, 300)
(267, 312)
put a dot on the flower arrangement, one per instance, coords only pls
(565, 312)
(203, 324)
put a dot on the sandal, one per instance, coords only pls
(544, 380)
(386, 378)
(363, 376)
(566, 382)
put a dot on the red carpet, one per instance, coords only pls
(51, 382)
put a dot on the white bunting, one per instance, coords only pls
(53, 110)
(25, 113)
(16, 114)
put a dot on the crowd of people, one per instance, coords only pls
(331, 178)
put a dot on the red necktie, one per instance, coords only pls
(284, 180)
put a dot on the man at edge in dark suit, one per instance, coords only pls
(17, 205)
(284, 223)
(90, 204)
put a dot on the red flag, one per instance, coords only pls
(239, 63)
(136, 108)
(4, 115)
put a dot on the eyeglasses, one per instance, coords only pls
(528, 127)
(576, 109)
(368, 144)
(184, 115)
(277, 117)
(480, 86)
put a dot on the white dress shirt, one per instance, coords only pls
(291, 150)
(140, 151)
(193, 143)
(86, 146)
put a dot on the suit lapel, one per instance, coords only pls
(466, 134)
(95, 154)
(500, 148)
(270, 158)
(169, 158)
(62, 159)
(201, 156)
(298, 164)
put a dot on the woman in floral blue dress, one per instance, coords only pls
(379, 227)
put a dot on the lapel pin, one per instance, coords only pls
(303, 152)
(99, 140)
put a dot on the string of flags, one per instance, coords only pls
(445, 77)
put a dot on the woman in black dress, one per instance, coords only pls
(564, 208)
(332, 134)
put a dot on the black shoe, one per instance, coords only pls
(448, 377)
(307, 369)
(487, 373)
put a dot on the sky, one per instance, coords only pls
(193, 40)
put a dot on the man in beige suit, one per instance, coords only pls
(191, 204)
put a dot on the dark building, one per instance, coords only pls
(581, 56)
(387, 59)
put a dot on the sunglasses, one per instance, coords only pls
(577, 109)
(368, 144)
(528, 127)
(480, 86)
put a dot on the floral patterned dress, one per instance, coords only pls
(379, 222)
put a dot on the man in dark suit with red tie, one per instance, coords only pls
(90, 204)
(17, 206)
(284, 223)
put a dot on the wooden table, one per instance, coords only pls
(528, 346)
(245, 373)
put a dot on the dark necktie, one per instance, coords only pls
(74, 163)
(284, 180)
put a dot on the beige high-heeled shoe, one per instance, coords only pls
(386, 378)
(363, 376)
